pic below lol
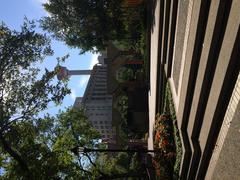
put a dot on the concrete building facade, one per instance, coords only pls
(199, 55)
(98, 103)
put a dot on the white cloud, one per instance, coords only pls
(42, 1)
(94, 60)
(38, 4)
(73, 94)
(83, 81)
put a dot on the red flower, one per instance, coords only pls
(157, 136)
(164, 143)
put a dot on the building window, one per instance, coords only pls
(99, 94)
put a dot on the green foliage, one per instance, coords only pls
(135, 25)
(23, 92)
(169, 109)
(124, 74)
(121, 163)
(122, 106)
(89, 25)
(168, 163)
(46, 143)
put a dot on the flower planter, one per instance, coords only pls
(164, 141)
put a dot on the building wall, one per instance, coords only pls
(98, 103)
(204, 70)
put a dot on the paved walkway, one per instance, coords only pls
(153, 71)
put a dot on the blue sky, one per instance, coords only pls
(12, 12)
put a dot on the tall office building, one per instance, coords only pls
(98, 103)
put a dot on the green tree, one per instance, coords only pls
(89, 25)
(46, 143)
(23, 93)
(121, 165)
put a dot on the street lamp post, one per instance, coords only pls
(78, 149)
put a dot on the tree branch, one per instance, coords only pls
(90, 160)
(15, 155)
(7, 125)
(27, 111)
(78, 157)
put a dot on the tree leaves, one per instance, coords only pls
(45, 143)
(23, 94)
(89, 25)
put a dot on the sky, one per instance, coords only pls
(12, 13)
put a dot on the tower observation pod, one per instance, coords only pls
(64, 73)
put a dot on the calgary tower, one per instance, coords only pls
(64, 73)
